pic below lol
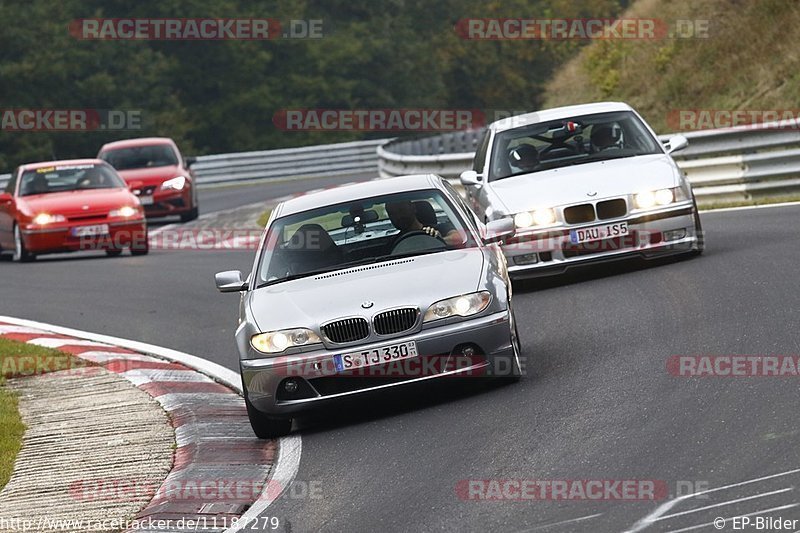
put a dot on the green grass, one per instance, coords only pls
(749, 61)
(262, 220)
(18, 359)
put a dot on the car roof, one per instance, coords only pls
(143, 141)
(356, 191)
(34, 166)
(557, 113)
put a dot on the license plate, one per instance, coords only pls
(146, 199)
(375, 356)
(90, 231)
(597, 233)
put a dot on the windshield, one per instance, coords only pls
(155, 155)
(573, 141)
(360, 232)
(61, 178)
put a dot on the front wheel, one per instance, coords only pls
(21, 253)
(515, 373)
(140, 246)
(701, 238)
(265, 427)
(190, 215)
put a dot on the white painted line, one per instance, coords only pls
(217, 372)
(730, 502)
(283, 473)
(563, 522)
(765, 511)
(666, 506)
(290, 448)
(50, 342)
(105, 357)
(748, 207)
(5, 330)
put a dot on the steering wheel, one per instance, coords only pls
(415, 233)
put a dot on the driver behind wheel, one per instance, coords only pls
(403, 215)
(605, 136)
(524, 157)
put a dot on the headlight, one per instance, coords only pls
(125, 212)
(278, 341)
(176, 184)
(648, 199)
(42, 219)
(537, 217)
(465, 305)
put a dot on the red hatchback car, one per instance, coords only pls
(156, 172)
(67, 206)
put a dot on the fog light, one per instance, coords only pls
(290, 386)
(468, 351)
(675, 234)
(526, 259)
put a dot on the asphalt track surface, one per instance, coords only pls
(597, 401)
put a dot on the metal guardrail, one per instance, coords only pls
(307, 161)
(727, 164)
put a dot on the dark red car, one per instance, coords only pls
(67, 206)
(156, 172)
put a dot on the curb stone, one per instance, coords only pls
(219, 468)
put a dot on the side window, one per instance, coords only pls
(480, 155)
(12, 183)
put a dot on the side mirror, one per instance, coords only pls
(676, 142)
(500, 229)
(5, 198)
(189, 161)
(470, 177)
(230, 281)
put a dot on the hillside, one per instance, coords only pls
(749, 61)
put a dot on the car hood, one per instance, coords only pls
(151, 175)
(413, 281)
(567, 185)
(71, 203)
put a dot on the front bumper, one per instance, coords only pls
(659, 232)
(319, 383)
(121, 234)
(159, 203)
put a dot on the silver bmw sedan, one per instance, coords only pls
(366, 287)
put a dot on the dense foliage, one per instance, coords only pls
(220, 96)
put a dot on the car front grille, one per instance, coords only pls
(579, 213)
(346, 330)
(611, 209)
(395, 321)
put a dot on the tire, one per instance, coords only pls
(20, 253)
(190, 215)
(140, 249)
(701, 238)
(113, 252)
(516, 371)
(265, 427)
